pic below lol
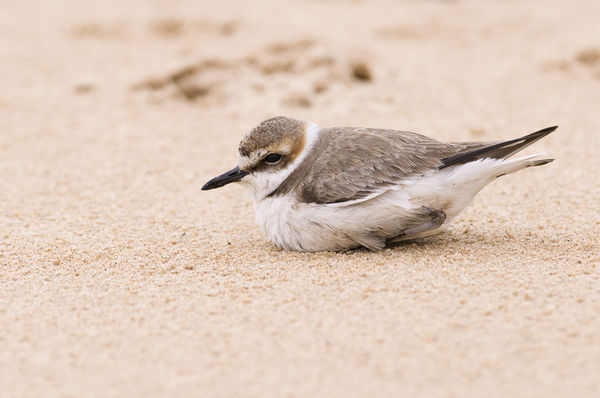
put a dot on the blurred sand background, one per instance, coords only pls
(119, 277)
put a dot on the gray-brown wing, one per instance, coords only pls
(353, 163)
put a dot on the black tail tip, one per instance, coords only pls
(539, 162)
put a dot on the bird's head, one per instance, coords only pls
(268, 154)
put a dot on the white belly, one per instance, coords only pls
(311, 227)
(300, 226)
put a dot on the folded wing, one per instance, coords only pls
(353, 164)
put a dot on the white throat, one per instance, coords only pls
(262, 184)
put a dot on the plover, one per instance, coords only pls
(318, 189)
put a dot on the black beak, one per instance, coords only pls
(232, 175)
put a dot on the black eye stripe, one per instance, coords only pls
(272, 158)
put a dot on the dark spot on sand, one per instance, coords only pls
(228, 28)
(192, 91)
(183, 74)
(298, 100)
(169, 27)
(281, 66)
(589, 57)
(360, 71)
(84, 88)
(320, 87)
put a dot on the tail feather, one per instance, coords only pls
(540, 162)
(505, 167)
(452, 189)
(501, 150)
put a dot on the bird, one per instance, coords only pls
(340, 188)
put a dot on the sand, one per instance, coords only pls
(120, 277)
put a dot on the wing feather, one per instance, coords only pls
(356, 163)
(352, 164)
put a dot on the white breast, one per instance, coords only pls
(298, 226)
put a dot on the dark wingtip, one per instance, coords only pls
(513, 146)
(545, 131)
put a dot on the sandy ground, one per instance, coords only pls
(119, 277)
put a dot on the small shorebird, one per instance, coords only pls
(337, 188)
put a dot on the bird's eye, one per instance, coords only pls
(273, 158)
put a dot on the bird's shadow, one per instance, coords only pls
(436, 243)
